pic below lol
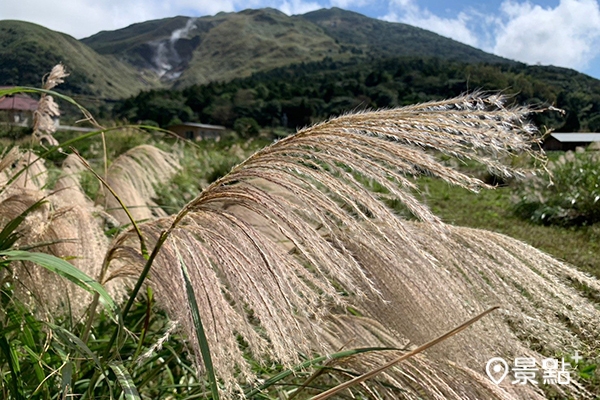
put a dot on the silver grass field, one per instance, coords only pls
(292, 263)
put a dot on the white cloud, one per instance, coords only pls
(409, 12)
(567, 35)
(348, 3)
(298, 7)
(81, 18)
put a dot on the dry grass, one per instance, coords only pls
(134, 176)
(47, 108)
(280, 248)
(295, 234)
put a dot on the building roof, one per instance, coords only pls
(18, 102)
(576, 137)
(199, 125)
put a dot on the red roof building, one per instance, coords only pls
(17, 108)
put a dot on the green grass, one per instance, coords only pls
(202, 165)
(493, 210)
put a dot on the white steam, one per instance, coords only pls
(166, 58)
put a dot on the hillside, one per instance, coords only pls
(302, 94)
(380, 39)
(28, 51)
(180, 52)
(186, 51)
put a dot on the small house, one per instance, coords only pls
(569, 141)
(17, 109)
(197, 131)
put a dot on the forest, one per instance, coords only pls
(302, 94)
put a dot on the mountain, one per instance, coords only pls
(179, 52)
(380, 39)
(28, 51)
(302, 94)
(185, 51)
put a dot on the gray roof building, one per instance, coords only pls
(569, 141)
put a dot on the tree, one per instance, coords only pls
(246, 127)
(161, 107)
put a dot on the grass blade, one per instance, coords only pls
(125, 380)
(13, 366)
(342, 354)
(74, 342)
(200, 334)
(66, 378)
(8, 236)
(66, 270)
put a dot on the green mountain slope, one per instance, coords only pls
(28, 51)
(254, 40)
(179, 52)
(302, 94)
(186, 51)
(217, 48)
(376, 38)
(136, 44)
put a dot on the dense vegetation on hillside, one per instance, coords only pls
(376, 39)
(304, 93)
(27, 51)
(182, 51)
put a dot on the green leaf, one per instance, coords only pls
(13, 366)
(587, 372)
(200, 334)
(74, 343)
(28, 330)
(66, 270)
(125, 380)
(67, 376)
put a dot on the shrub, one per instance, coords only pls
(246, 127)
(570, 195)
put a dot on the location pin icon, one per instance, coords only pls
(497, 369)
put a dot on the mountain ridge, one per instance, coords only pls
(29, 51)
(178, 52)
(383, 38)
(231, 45)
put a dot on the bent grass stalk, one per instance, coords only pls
(359, 379)
(309, 363)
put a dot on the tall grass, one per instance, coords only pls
(289, 256)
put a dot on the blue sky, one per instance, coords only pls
(548, 32)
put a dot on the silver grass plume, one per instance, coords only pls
(544, 306)
(43, 124)
(295, 233)
(83, 221)
(16, 160)
(134, 176)
(65, 226)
